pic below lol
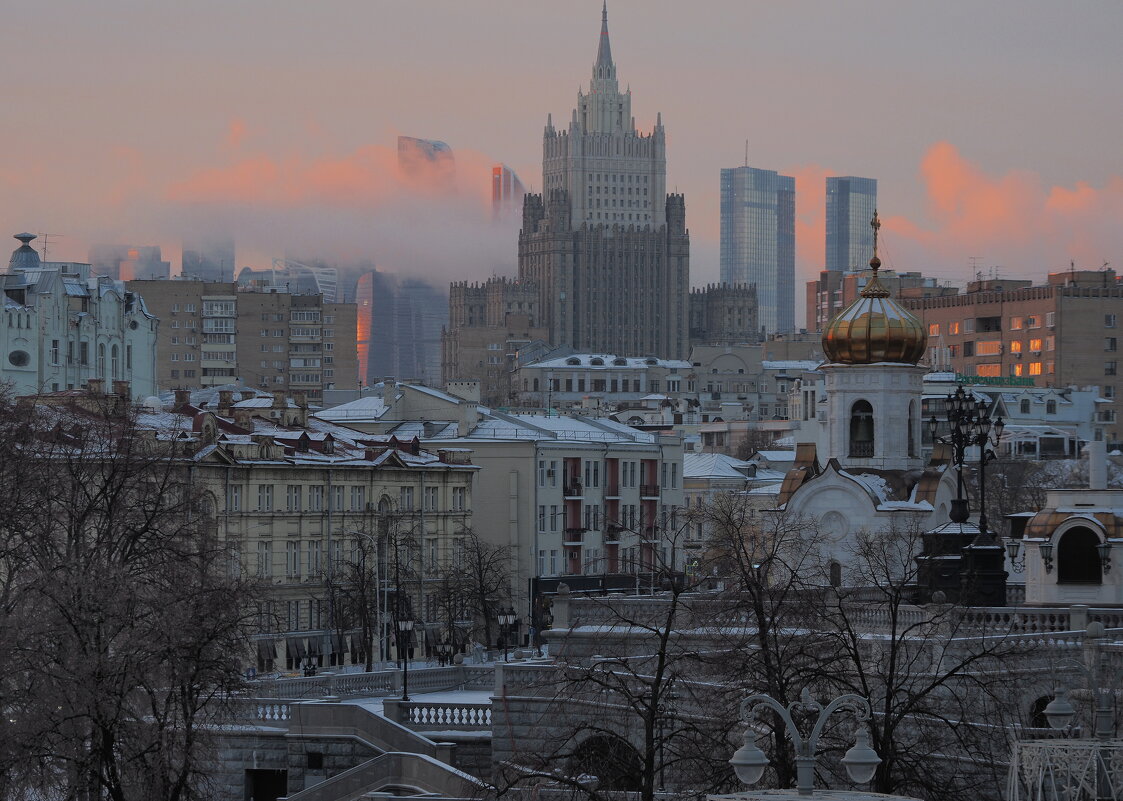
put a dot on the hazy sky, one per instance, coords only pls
(994, 128)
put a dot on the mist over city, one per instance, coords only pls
(603, 401)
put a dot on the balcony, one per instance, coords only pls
(573, 489)
(574, 537)
(861, 450)
(649, 491)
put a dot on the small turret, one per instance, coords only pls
(24, 257)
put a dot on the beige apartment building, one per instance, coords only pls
(1011, 333)
(834, 290)
(212, 334)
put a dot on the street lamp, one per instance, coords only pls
(506, 626)
(405, 629)
(969, 423)
(860, 761)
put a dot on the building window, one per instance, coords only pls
(989, 347)
(293, 494)
(1110, 344)
(265, 498)
(1035, 368)
(1024, 406)
(430, 499)
(316, 498)
(1016, 346)
(1050, 407)
(459, 499)
(234, 498)
(359, 499)
(1017, 369)
(1015, 323)
(54, 351)
(553, 518)
(265, 559)
(933, 329)
(1033, 321)
(1035, 345)
(1110, 368)
(1050, 343)
(314, 553)
(542, 519)
(405, 499)
(292, 559)
(1109, 321)
(988, 370)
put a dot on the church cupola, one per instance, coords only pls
(875, 328)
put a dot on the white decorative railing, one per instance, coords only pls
(423, 715)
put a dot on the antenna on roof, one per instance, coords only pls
(45, 238)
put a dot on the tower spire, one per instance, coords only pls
(604, 48)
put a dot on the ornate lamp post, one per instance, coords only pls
(405, 629)
(860, 761)
(507, 619)
(970, 423)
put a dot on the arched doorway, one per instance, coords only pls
(1078, 560)
(611, 759)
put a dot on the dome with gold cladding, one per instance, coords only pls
(875, 328)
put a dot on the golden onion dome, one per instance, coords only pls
(875, 328)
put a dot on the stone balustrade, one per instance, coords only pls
(451, 715)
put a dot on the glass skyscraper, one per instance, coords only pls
(850, 206)
(758, 240)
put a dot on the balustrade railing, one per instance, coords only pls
(379, 683)
(450, 715)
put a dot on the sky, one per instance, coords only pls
(993, 128)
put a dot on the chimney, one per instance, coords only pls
(279, 400)
(243, 418)
(94, 386)
(182, 397)
(123, 389)
(301, 399)
(225, 401)
(1097, 464)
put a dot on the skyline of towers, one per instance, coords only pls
(209, 258)
(850, 203)
(606, 246)
(758, 240)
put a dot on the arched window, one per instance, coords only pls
(861, 430)
(115, 361)
(536, 385)
(836, 573)
(101, 361)
(911, 433)
(1078, 561)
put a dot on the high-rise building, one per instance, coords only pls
(296, 277)
(606, 247)
(128, 263)
(506, 191)
(399, 329)
(721, 314)
(208, 259)
(427, 160)
(851, 203)
(758, 240)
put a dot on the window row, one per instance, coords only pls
(320, 498)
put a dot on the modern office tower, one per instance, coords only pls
(427, 160)
(758, 240)
(128, 263)
(215, 333)
(851, 203)
(296, 277)
(606, 247)
(399, 328)
(208, 259)
(506, 191)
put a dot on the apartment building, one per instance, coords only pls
(214, 334)
(300, 502)
(1065, 333)
(834, 290)
(589, 502)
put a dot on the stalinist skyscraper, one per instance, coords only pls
(605, 245)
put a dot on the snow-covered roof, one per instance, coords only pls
(791, 365)
(371, 407)
(713, 465)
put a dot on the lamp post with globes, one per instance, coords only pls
(405, 631)
(971, 424)
(860, 761)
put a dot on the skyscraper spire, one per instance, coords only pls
(604, 49)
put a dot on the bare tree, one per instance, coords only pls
(126, 613)
(485, 577)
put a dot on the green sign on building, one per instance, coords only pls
(995, 380)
